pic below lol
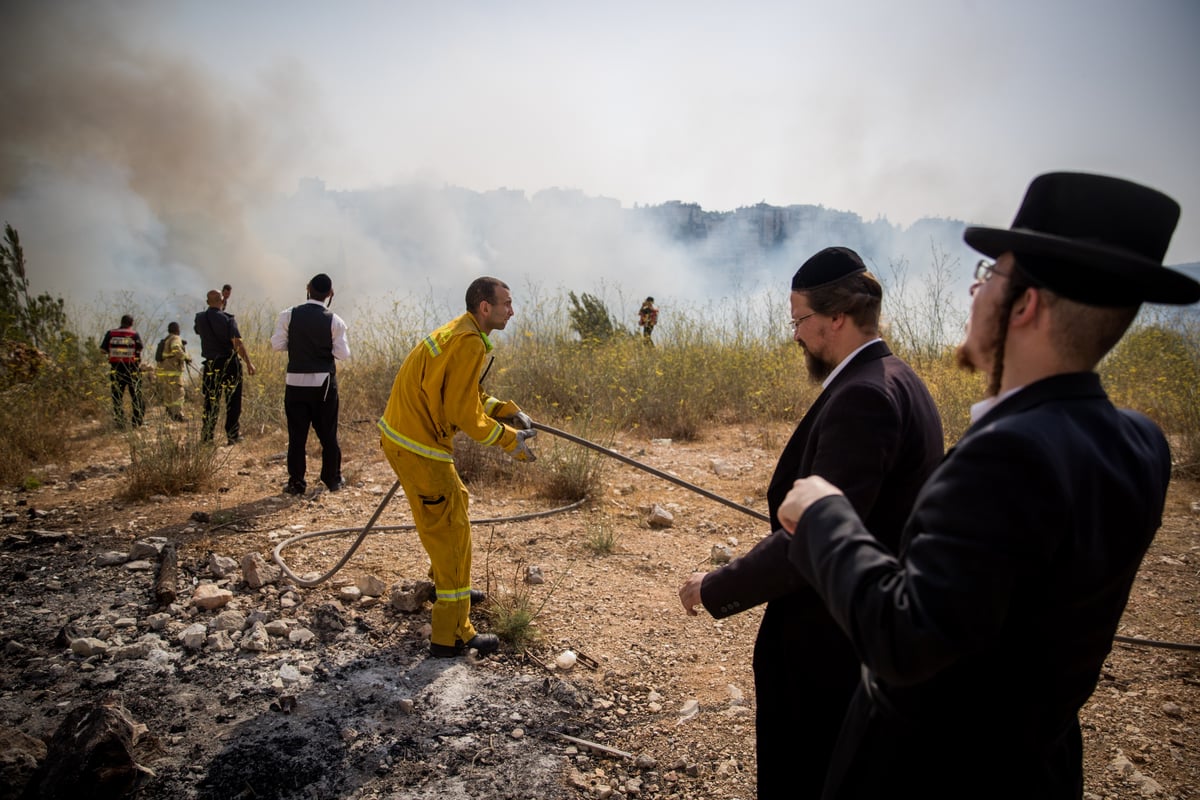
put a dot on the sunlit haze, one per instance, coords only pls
(164, 148)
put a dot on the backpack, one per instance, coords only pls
(158, 351)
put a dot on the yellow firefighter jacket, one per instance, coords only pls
(174, 356)
(437, 393)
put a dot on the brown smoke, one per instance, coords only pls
(78, 89)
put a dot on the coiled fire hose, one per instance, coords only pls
(310, 582)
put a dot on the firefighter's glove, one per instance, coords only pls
(521, 421)
(522, 452)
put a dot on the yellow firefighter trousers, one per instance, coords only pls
(439, 500)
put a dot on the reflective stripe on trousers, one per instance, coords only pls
(439, 504)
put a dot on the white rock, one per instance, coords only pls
(565, 660)
(220, 642)
(192, 637)
(660, 517)
(280, 627)
(111, 558)
(257, 572)
(301, 636)
(89, 646)
(209, 596)
(158, 622)
(370, 586)
(150, 547)
(135, 651)
(221, 566)
(722, 468)
(229, 620)
(689, 709)
(257, 640)
(289, 674)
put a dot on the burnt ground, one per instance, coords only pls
(359, 711)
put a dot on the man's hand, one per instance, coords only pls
(521, 421)
(803, 494)
(689, 593)
(522, 452)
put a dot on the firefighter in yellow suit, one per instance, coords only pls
(437, 393)
(170, 372)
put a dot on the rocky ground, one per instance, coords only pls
(241, 690)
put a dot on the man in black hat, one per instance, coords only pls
(875, 427)
(984, 637)
(315, 339)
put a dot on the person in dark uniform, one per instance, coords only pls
(875, 427)
(221, 346)
(124, 348)
(315, 339)
(985, 635)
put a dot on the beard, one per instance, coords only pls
(968, 358)
(818, 368)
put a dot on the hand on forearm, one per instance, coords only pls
(803, 494)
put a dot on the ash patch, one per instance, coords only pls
(429, 727)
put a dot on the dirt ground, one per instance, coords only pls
(358, 711)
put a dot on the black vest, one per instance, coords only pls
(310, 340)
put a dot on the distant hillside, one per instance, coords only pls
(675, 248)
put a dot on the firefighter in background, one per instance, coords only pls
(648, 317)
(124, 348)
(437, 393)
(170, 372)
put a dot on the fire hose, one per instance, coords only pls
(656, 472)
(310, 582)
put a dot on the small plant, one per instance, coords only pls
(511, 612)
(601, 538)
(568, 471)
(31, 483)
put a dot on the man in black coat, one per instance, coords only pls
(984, 637)
(876, 428)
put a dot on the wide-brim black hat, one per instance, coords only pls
(1095, 239)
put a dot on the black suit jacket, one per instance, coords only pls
(876, 434)
(988, 633)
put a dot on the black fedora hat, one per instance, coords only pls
(1095, 239)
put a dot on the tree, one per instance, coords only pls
(38, 321)
(589, 318)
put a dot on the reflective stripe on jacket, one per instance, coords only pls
(123, 346)
(437, 393)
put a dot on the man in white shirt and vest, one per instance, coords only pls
(315, 339)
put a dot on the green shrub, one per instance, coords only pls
(1155, 369)
(510, 610)
(165, 460)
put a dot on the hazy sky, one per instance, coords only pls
(198, 110)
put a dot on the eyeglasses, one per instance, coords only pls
(792, 325)
(985, 269)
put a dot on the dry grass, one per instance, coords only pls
(717, 368)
